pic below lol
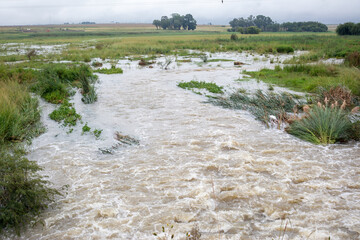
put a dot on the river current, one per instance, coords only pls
(196, 165)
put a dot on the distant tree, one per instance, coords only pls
(165, 22)
(252, 30)
(348, 28)
(157, 23)
(304, 27)
(176, 22)
(190, 22)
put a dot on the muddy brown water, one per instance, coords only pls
(196, 165)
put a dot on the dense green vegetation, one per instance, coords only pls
(19, 114)
(348, 28)
(211, 87)
(24, 194)
(323, 125)
(65, 114)
(308, 78)
(112, 70)
(55, 82)
(266, 24)
(176, 22)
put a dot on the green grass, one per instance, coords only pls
(211, 87)
(19, 114)
(220, 60)
(66, 114)
(55, 82)
(323, 125)
(112, 70)
(307, 78)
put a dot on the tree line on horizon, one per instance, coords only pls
(348, 28)
(266, 24)
(176, 22)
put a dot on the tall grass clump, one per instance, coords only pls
(353, 59)
(264, 106)
(24, 193)
(323, 125)
(18, 112)
(88, 90)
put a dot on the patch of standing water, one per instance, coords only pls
(197, 164)
(8, 49)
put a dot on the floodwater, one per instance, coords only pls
(196, 165)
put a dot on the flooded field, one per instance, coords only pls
(197, 165)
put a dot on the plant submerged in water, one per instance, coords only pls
(323, 125)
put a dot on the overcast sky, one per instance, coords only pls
(22, 12)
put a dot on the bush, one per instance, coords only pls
(353, 59)
(23, 192)
(18, 112)
(252, 30)
(234, 37)
(66, 114)
(284, 49)
(348, 28)
(55, 81)
(323, 125)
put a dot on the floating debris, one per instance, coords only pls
(123, 140)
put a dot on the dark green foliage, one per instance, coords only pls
(112, 70)
(284, 49)
(24, 194)
(348, 28)
(66, 114)
(266, 24)
(323, 125)
(176, 22)
(54, 82)
(211, 87)
(85, 128)
(261, 23)
(97, 132)
(234, 37)
(252, 30)
(261, 105)
(304, 27)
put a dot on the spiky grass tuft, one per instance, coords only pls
(322, 125)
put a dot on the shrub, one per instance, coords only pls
(284, 49)
(323, 125)
(234, 37)
(23, 192)
(55, 81)
(66, 114)
(348, 28)
(353, 59)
